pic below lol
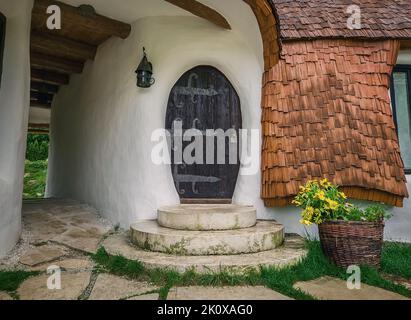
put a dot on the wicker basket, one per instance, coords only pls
(352, 243)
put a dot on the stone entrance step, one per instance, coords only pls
(206, 217)
(264, 236)
(292, 252)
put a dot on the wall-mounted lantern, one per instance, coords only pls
(145, 73)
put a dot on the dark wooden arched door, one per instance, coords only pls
(204, 102)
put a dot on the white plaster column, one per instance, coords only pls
(14, 108)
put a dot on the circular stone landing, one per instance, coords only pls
(292, 252)
(264, 236)
(206, 217)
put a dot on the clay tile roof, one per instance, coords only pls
(307, 19)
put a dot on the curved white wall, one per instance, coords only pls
(14, 106)
(399, 227)
(102, 123)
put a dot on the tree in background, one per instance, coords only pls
(36, 166)
(37, 147)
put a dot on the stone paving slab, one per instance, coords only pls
(80, 239)
(225, 293)
(146, 297)
(328, 288)
(110, 287)
(75, 264)
(42, 254)
(5, 296)
(72, 286)
(66, 222)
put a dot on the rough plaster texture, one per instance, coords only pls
(102, 124)
(14, 101)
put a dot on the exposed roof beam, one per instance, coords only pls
(93, 29)
(49, 77)
(44, 126)
(46, 62)
(202, 11)
(40, 96)
(61, 47)
(44, 87)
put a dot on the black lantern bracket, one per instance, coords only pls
(145, 72)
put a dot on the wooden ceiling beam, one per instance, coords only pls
(59, 47)
(90, 28)
(40, 96)
(202, 11)
(44, 126)
(49, 77)
(44, 87)
(46, 62)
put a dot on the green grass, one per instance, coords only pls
(396, 260)
(35, 179)
(11, 280)
(315, 265)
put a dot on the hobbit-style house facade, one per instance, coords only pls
(296, 93)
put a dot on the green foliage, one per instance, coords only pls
(371, 214)
(396, 260)
(37, 147)
(322, 201)
(35, 179)
(118, 264)
(11, 280)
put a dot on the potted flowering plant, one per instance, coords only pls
(349, 235)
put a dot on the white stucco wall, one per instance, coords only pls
(14, 106)
(102, 123)
(399, 227)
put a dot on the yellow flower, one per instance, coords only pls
(296, 202)
(320, 195)
(307, 223)
(332, 205)
(342, 194)
(324, 181)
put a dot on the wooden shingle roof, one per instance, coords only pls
(310, 19)
(327, 114)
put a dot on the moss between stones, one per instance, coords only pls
(313, 266)
(11, 280)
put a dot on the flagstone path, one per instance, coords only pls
(63, 233)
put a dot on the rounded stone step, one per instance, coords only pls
(292, 252)
(264, 236)
(206, 217)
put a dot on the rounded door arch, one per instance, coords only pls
(204, 112)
